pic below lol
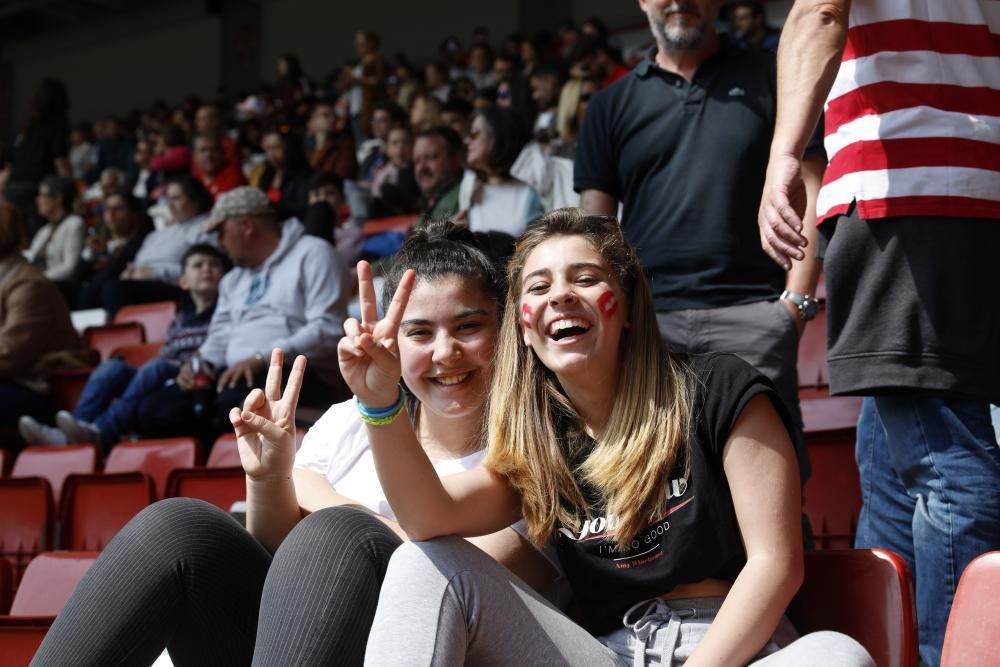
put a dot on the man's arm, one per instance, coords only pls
(596, 202)
(808, 59)
(804, 274)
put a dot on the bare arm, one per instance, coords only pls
(759, 462)
(597, 202)
(808, 59)
(804, 274)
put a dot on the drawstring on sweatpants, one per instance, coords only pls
(655, 613)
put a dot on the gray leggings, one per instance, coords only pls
(445, 602)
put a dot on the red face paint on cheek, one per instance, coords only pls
(608, 304)
(526, 315)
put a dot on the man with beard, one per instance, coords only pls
(682, 142)
(438, 154)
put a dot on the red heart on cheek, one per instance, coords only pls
(608, 304)
(526, 315)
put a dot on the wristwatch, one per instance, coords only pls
(807, 306)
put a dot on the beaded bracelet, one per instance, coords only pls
(381, 416)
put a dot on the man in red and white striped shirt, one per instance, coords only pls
(909, 220)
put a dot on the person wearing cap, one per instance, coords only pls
(287, 290)
(682, 142)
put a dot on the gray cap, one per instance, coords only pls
(243, 201)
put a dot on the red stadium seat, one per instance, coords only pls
(156, 458)
(6, 585)
(225, 453)
(830, 413)
(154, 317)
(55, 464)
(398, 223)
(48, 582)
(220, 486)
(26, 520)
(95, 507)
(973, 634)
(812, 366)
(20, 639)
(866, 594)
(107, 338)
(832, 495)
(138, 354)
(66, 385)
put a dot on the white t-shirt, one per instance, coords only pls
(337, 447)
(503, 207)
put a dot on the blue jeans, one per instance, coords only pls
(930, 484)
(116, 379)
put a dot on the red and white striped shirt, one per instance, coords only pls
(913, 118)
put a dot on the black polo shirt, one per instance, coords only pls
(688, 162)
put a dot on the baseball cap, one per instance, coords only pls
(238, 202)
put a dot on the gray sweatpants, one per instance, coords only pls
(446, 603)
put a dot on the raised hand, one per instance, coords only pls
(369, 357)
(265, 427)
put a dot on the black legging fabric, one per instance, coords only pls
(185, 576)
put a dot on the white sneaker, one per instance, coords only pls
(35, 433)
(76, 431)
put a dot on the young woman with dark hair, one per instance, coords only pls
(300, 588)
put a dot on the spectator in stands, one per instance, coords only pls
(905, 243)
(111, 247)
(593, 428)
(208, 120)
(480, 69)
(371, 155)
(406, 83)
(114, 149)
(367, 83)
(172, 156)
(324, 217)
(490, 199)
(40, 149)
(286, 291)
(425, 113)
(457, 114)
(301, 502)
(329, 146)
(438, 156)
(463, 88)
(530, 56)
(285, 178)
(546, 83)
(36, 334)
(82, 154)
(55, 248)
(112, 179)
(117, 392)
(292, 86)
(394, 189)
(141, 179)
(211, 167)
(153, 275)
(437, 81)
(656, 131)
(453, 56)
(750, 25)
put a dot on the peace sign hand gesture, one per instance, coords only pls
(265, 428)
(368, 354)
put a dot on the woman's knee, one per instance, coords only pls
(179, 526)
(441, 557)
(824, 647)
(340, 530)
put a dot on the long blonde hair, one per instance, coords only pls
(646, 433)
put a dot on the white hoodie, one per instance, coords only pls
(295, 300)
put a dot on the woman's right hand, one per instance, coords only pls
(265, 427)
(368, 354)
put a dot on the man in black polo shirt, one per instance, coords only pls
(683, 142)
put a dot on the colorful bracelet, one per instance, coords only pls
(381, 416)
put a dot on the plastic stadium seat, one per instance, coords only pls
(48, 582)
(973, 634)
(55, 464)
(6, 585)
(225, 453)
(154, 317)
(812, 366)
(832, 495)
(66, 385)
(26, 520)
(138, 354)
(105, 339)
(95, 507)
(398, 223)
(866, 594)
(830, 413)
(156, 458)
(220, 486)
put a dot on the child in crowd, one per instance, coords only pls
(185, 576)
(670, 485)
(115, 392)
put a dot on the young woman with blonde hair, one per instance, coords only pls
(670, 485)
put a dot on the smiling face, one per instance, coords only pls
(571, 309)
(446, 344)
